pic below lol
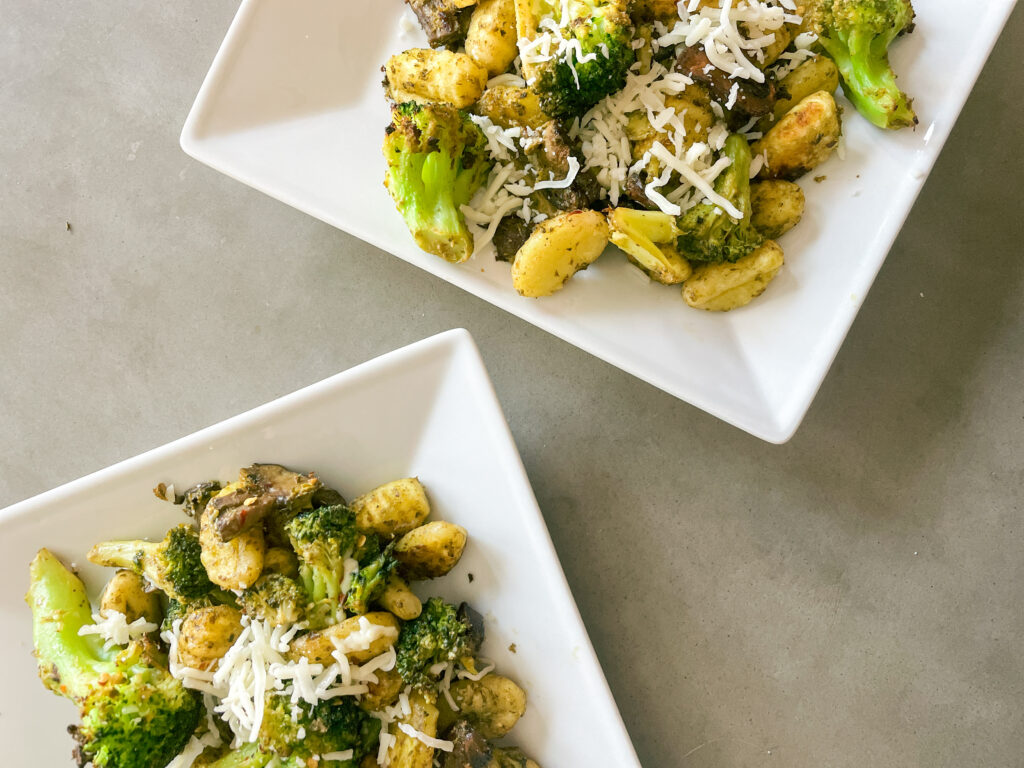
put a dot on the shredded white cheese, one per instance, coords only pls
(345, 754)
(574, 168)
(718, 30)
(446, 686)
(486, 669)
(790, 60)
(407, 25)
(114, 628)
(258, 663)
(430, 741)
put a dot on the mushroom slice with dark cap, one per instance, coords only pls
(238, 511)
(470, 749)
(284, 485)
(445, 22)
(509, 236)
(550, 156)
(266, 489)
(748, 99)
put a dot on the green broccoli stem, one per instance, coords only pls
(320, 583)
(173, 565)
(433, 216)
(60, 608)
(709, 233)
(369, 582)
(134, 555)
(869, 81)
(735, 184)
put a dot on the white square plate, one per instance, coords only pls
(293, 107)
(427, 410)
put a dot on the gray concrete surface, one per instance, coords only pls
(853, 598)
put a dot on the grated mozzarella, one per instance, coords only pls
(465, 674)
(195, 747)
(515, 81)
(198, 744)
(345, 754)
(113, 627)
(574, 168)
(790, 60)
(351, 568)
(734, 50)
(446, 686)
(257, 664)
(430, 741)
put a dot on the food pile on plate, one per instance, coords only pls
(277, 630)
(541, 130)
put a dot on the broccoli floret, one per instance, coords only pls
(133, 713)
(275, 598)
(369, 581)
(596, 61)
(368, 548)
(440, 634)
(173, 565)
(332, 725)
(710, 233)
(857, 35)
(322, 538)
(436, 160)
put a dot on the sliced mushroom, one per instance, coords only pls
(445, 22)
(749, 99)
(509, 236)
(238, 511)
(266, 488)
(550, 157)
(282, 484)
(470, 749)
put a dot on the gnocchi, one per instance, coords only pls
(235, 563)
(393, 508)
(431, 550)
(126, 593)
(424, 74)
(776, 207)
(558, 248)
(724, 286)
(491, 39)
(802, 140)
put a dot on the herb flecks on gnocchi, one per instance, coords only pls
(283, 631)
(538, 113)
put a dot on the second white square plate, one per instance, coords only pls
(293, 106)
(427, 410)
